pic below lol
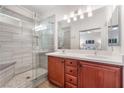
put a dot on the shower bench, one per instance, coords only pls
(6, 72)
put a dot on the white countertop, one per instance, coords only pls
(116, 60)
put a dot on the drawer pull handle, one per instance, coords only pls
(70, 70)
(80, 66)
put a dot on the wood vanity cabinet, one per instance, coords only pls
(56, 70)
(70, 73)
(99, 75)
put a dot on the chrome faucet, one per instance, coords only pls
(63, 51)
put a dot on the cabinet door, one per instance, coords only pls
(56, 70)
(96, 76)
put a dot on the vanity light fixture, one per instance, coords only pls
(78, 13)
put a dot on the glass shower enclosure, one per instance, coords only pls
(44, 43)
(24, 40)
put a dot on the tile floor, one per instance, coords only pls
(25, 79)
(46, 84)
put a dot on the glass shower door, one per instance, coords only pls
(44, 37)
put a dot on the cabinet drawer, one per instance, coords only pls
(71, 70)
(69, 85)
(71, 79)
(70, 62)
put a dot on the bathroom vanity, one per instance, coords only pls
(80, 70)
(84, 71)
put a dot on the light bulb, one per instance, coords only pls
(72, 14)
(68, 20)
(89, 8)
(89, 11)
(65, 17)
(79, 12)
(90, 14)
(75, 18)
(82, 16)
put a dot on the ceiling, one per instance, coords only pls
(44, 10)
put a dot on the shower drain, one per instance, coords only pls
(28, 77)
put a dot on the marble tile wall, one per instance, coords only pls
(6, 75)
(16, 45)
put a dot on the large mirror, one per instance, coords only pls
(114, 28)
(64, 35)
(90, 39)
(97, 32)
